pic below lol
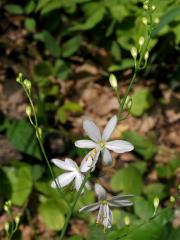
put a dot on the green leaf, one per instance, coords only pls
(96, 233)
(71, 46)
(21, 183)
(152, 229)
(115, 51)
(37, 172)
(61, 115)
(169, 169)
(75, 238)
(143, 208)
(51, 215)
(51, 44)
(155, 190)
(92, 21)
(22, 135)
(30, 7)
(43, 69)
(72, 107)
(30, 24)
(128, 180)
(14, 9)
(142, 100)
(144, 146)
(62, 69)
(126, 63)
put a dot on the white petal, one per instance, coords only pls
(107, 219)
(78, 181)
(119, 146)
(85, 144)
(90, 208)
(109, 128)
(89, 161)
(63, 164)
(107, 159)
(63, 180)
(92, 130)
(72, 165)
(100, 192)
(122, 197)
(120, 203)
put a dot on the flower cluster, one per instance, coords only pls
(75, 174)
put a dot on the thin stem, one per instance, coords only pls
(73, 205)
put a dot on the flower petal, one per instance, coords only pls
(107, 218)
(85, 144)
(107, 159)
(90, 208)
(120, 203)
(122, 197)
(92, 130)
(78, 181)
(89, 161)
(63, 180)
(119, 146)
(65, 165)
(100, 192)
(72, 165)
(109, 128)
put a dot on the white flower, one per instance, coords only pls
(105, 216)
(100, 143)
(74, 173)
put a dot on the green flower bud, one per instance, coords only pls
(144, 20)
(19, 78)
(156, 20)
(146, 56)
(28, 111)
(145, 6)
(27, 84)
(134, 52)
(153, 7)
(39, 132)
(127, 220)
(141, 40)
(6, 227)
(113, 81)
(156, 202)
(17, 220)
(172, 199)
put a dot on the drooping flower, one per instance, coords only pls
(105, 216)
(73, 173)
(100, 143)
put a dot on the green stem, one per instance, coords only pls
(73, 205)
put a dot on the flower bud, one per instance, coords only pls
(156, 202)
(146, 56)
(144, 20)
(6, 227)
(113, 81)
(156, 20)
(145, 6)
(6, 209)
(27, 84)
(28, 111)
(19, 78)
(153, 7)
(172, 199)
(127, 220)
(17, 220)
(39, 132)
(134, 52)
(141, 40)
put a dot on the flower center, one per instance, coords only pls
(101, 144)
(104, 202)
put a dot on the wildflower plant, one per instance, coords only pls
(98, 143)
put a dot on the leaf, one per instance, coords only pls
(143, 208)
(51, 44)
(62, 69)
(115, 51)
(96, 233)
(22, 135)
(150, 230)
(155, 190)
(21, 183)
(43, 69)
(126, 63)
(51, 215)
(30, 24)
(14, 9)
(128, 180)
(37, 172)
(71, 46)
(72, 107)
(143, 146)
(92, 21)
(142, 100)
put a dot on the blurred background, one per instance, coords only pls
(68, 48)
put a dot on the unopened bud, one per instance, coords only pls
(127, 220)
(146, 56)
(144, 20)
(156, 202)
(19, 78)
(172, 199)
(145, 6)
(27, 84)
(6, 209)
(153, 7)
(113, 81)
(134, 52)
(141, 41)
(39, 132)
(156, 20)
(6, 227)
(28, 111)
(17, 219)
